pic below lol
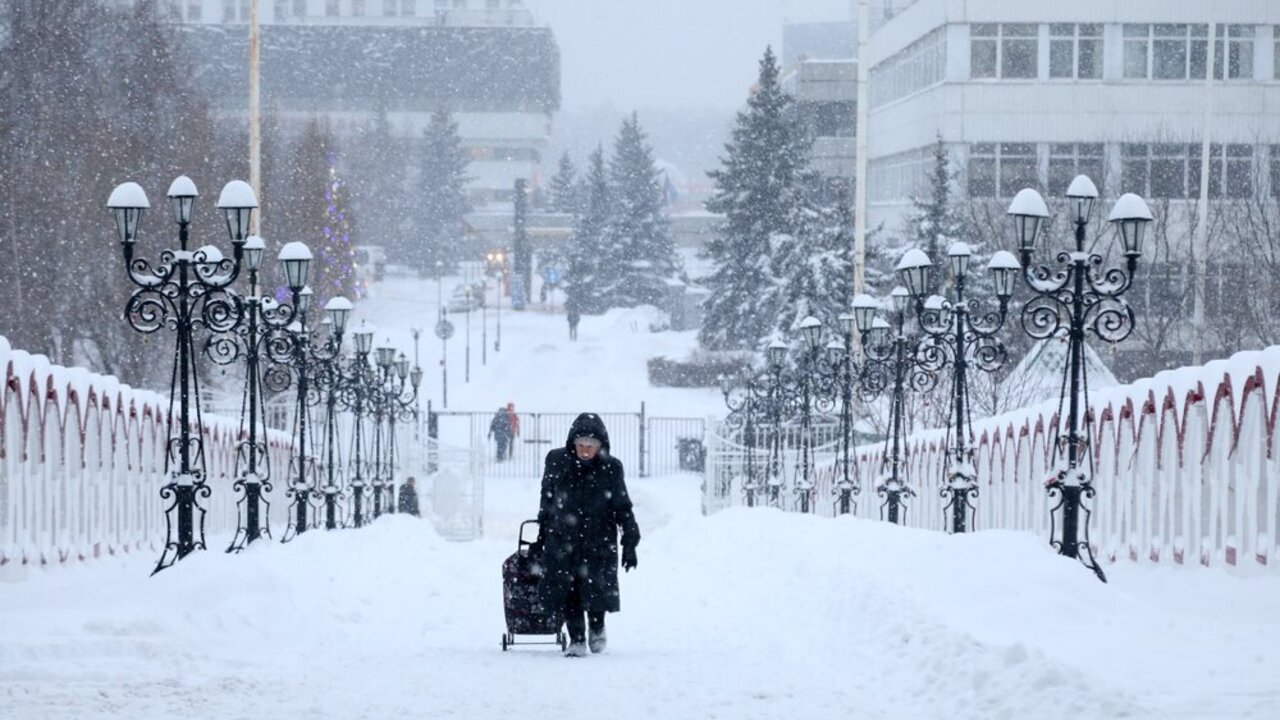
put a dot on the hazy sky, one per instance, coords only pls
(669, 53)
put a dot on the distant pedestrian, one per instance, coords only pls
(583, 506)
(513, 426)
(409, 498)
(574, 317)
(500, 431)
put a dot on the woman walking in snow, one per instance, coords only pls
(583, 506)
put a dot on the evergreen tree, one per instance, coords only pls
(442, 199)
(566, 195)
(335, 257)
(757, 189)
(376, 176)
(934, 223)
(816, 264)
(583, 276)
(637, 249)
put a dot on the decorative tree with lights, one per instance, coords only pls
(335, 257)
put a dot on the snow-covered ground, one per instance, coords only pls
(745, 614)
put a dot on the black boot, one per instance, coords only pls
(597, 638)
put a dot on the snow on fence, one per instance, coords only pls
(1187, 468)
(82, 464)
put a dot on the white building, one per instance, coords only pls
(487, 61)
(1032, 93)
(820, 73)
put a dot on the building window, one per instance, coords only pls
(357, 8)
(408, 8)
(1068, 160)
(899, 177)
(918, 66)
(1137, 45)
(245, 8)
(331, 8)
(280, 10)
(493, 4)
(1275, 170)
(1161, 170)
(1180, 51)
(1276, 70)
(390, 8)
(1230, 171)
(300, 8)
(459, 4)
(1236, 41)
(1006, 50)
(1075, 51)
(1001, 169)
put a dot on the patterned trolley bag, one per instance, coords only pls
(521, 573)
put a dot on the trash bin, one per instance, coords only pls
(693, 454)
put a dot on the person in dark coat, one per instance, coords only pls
(584, 504)
(500, 431)
(409, 498)
(574, 316)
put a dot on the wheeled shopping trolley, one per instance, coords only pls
(521, 573)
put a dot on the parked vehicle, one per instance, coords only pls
(370, 264)
(465, 298)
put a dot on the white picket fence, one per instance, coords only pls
(1187, 468)
(82, 463)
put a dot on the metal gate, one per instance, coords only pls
(646, 446)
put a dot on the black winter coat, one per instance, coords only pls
(583, 506)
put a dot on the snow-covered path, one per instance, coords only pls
(745, 614)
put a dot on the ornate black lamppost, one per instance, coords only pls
(964, 328)
(356, 390)
(187, 291)
(1074, 295)
(379, 402)
(263, 332)
(897, 359)
(845, 372)
(747, 396)
(401, 405)
(813, 390)
(329, 380)
(310, 356)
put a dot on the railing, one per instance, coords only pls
(1187, 468)
(82, 463)
(646, 445)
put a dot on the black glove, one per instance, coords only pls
(629, 557)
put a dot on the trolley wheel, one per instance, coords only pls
(505, 641)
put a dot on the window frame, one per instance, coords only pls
(1073, 42)
(1004, 39)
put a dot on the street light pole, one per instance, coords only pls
(186, 290)
(1074, 296)
(964, 330)
(896, 359)
(264, 332)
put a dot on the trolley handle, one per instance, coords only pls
(522, 544)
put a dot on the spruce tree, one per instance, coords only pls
(335, 257)
(816, 264)
(442, 200)
(934, 223)
(565, 191)
(757, 189)
(376, 177)
(582, 276)
(637, 249)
